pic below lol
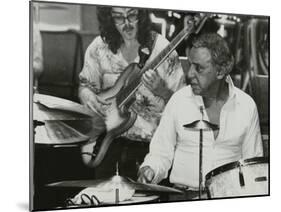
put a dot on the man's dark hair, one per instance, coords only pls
(110, 34)
(219, 49)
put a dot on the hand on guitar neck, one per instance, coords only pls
(156, 84)
(93, 101)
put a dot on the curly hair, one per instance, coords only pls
(222, 57)
(110, 34)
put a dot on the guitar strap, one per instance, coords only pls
(153, 40)
(145, 50)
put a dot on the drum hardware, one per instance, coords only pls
(241, 177)
(117, 186)
(260, 179)
(201, 125)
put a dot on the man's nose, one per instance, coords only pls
(127, 21)
(191, 72)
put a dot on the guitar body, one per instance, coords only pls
(125, 79)
(117, 120)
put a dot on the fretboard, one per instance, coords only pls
(125, 95)
(129, 91)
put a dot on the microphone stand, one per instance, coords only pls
(201, 125)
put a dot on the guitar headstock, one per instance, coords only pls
(194, 23)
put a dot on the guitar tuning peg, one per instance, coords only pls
(198, 17)
(189, 20)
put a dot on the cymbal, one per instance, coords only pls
(47, 107)
(57, 133)
(201, 125)
(114, 182)
(43, 113)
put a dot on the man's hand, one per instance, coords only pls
(156, 84)
(145, 175)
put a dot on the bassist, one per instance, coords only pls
(123, 31)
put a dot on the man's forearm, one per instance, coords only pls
(84, 93)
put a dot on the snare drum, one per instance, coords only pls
(241, 178)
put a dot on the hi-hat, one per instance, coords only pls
(113, 182)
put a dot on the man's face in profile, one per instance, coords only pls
(202, 73)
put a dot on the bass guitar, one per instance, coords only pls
(121, 96)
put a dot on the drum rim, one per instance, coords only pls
(232, 165)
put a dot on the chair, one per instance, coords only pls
(86, 40)
(60, 53)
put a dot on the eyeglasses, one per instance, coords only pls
(120, 19)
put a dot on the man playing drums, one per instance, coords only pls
(176, 148)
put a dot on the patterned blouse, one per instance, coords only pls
(102, 68)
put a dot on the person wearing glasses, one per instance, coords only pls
(122, 32)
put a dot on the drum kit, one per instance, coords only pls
(114, 190)
(60, 123)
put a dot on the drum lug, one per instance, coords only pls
(241, 177)
(261, 179)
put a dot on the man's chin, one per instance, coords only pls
(196, 91)
(130, 36)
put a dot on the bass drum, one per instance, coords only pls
(241, 178)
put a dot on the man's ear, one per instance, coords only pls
(225, 70)
(221, 73)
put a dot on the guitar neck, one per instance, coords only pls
(158, 60)
(129, 91)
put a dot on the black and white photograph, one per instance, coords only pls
(138, 105)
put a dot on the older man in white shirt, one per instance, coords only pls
(176, 148)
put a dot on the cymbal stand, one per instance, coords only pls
(201, 125)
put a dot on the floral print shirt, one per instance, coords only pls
(102, 68)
